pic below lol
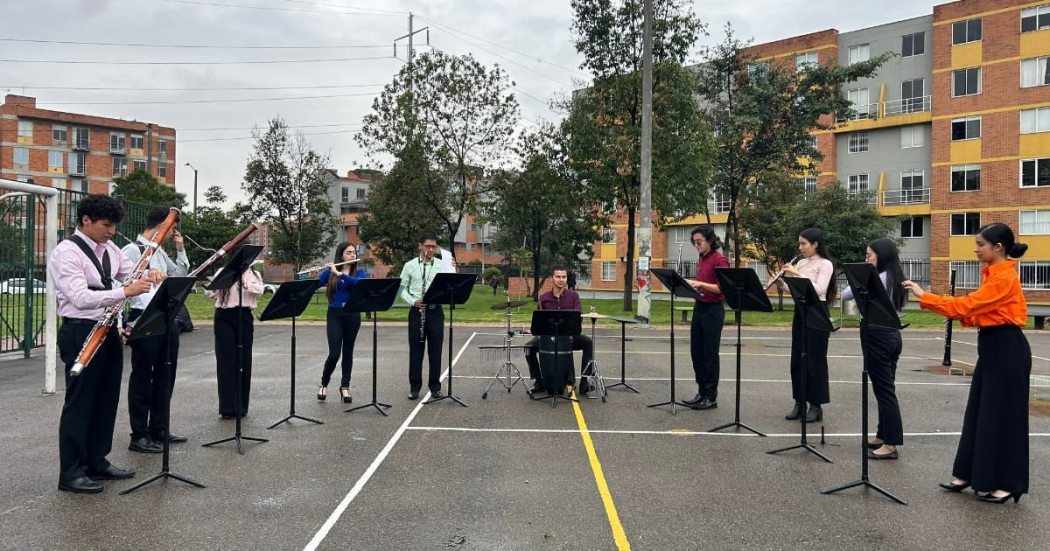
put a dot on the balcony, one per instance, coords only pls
(861, 112)
(117, 150)
(81, 145)
(77, 170)
(897, 197)
(907, 106)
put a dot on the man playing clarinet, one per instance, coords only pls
(83, 269)
(426, 322)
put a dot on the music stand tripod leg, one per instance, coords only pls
(736, 418)
(623, 361)
(291, 402)
(375, 342)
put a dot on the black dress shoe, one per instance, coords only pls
(874, 446)
(538, 387)
(706, 403)
(584, 387)
(413, 395)
(82, 485)
(145, 445)
(814, 414)
(954, 487)
(436, 395)
(873, 455)
(226, 416)
(795, 412)
(694, 400)
(989, 498)
(172, 439)
(110, 473)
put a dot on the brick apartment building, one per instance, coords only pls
(79, 152)
(952, 133)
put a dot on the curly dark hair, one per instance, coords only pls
(99, 207)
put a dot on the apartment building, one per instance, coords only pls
(952, 133)
(76, 151)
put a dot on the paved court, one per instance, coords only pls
(510, 473)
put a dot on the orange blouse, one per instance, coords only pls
(999, 300)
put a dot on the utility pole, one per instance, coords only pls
(645, 203)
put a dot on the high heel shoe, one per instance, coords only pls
(344, 391)
(795, 412)
(954, 487)
(989, 498)
(815, 414)
(322, 393)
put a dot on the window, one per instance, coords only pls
(1035, 222)
(757, 68)
(1035, 19)
(912, 96)
(966, 82)
(162, 170)
(58, 183)
(911, 227)
(25, 129)
(1035, 72)
(21, 156)
(361, 192)
(162, 147)
(967, 273)
(608, 271)
(1035, 173)
(912, 136)
(59, 134)
(82, 138)
(120, 166)
(859, 53)
(56, 159)
(345, 195)
(719, 203)
(681, 234)
(813, 142)
(966, 178)
(138, 164)
(79, 185)
(966, 31)
(965, 223)
(78, 163)
(136, 142)
(912, 186)
(117, 142)
(809, 184)
(858, 142)
(968, 128)
(802, 61)
(858, 183)
(609, 236)
(913, 44)
(859, 99)
(1035, 120)
(1035, 274)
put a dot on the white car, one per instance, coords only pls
(17, 286)
(270, 287)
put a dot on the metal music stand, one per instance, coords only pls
(623, 354)
(814, 318)
(742, 292)
(597, 382)
(374, 296)
(228, 277)
(159, 319)
(290, 300)
(875, 309)
(451, 289)
(679, 287)
(556, 324)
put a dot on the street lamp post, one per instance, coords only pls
(194, 187)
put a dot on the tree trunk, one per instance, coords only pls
(628, 271)
(535, 276)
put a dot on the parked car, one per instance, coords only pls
(17, 286)
(270, 287)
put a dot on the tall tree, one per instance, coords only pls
(456, 116)
(209, 227)
(604, 122)
(141, 187)
(848, 221)
(763, 114)
(542, 206)
(286, 186)
(772, 238)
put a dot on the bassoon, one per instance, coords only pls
(98, 333)
(225, 249)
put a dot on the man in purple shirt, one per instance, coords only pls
(559, 298)
(86, 270)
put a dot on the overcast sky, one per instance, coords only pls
(531, 40)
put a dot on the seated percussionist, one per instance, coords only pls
(559, 298)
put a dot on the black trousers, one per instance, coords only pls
(993, 448)
(342, 328)
(705, 336)
(579, 342)
(435, 336)
(817, 391)
(85, 431)
(228, 321)
(882, 349)
(147, 393)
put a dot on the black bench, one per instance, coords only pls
(1039, 314)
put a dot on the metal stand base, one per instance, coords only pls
(159, 476)
(445, 397)
(295, 416)
(867, 484)
(804, 446)
(513, 377)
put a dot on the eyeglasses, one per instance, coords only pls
(699, 242)
(430, 246)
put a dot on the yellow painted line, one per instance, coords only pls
(599, 477)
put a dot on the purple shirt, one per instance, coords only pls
(568, 300)
(72, 272)
(705, 272)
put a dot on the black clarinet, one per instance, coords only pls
(423, 310)
(948, 326)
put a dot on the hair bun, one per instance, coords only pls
(1018, 250)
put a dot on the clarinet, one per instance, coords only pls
(423, 310)
(948, 327)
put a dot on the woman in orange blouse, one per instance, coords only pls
(993, 450)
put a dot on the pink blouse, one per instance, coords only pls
(253, 289)
(819, 271)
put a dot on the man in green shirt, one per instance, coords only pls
(426, 322)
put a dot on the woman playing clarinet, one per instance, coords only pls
(993, 450)
(233, 314)
(342, 327)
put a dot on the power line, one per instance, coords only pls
(253, 137)
(196, 46)
(290, 10)
(224, 88)
(519, 90)
(213, 129)
(509, 60)
(243, 62)
(237, 100)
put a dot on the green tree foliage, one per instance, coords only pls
(771, 236)
(763, 114)
(210, 227)
(12, 245)
(141, 187)
(604, 122)
(286, 186)
(542, 206)
(451, 117)
(848, 221)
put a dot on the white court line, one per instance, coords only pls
(338, 512)
(677, 432)
(781, 381)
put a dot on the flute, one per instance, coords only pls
(98, 333)
(337, 264)
(779, 275)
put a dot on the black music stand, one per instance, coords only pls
(679, 287)
(373, 296)
(451, 289)
(159, 319)
(623, 353)
(556, 324)
(814, 318)
(742, 292)
(290, 300)
(875, 309)
(228, 277)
